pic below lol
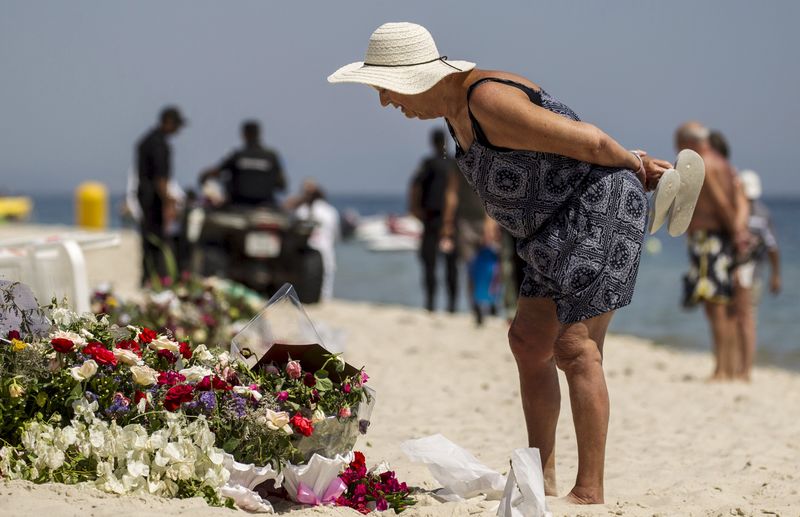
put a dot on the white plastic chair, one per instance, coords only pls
(54, 266)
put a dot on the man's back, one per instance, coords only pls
(432, 181)
(152, 163)
(719, 187)
(254, 177)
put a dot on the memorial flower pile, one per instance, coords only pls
(133, 410)
(207, 310)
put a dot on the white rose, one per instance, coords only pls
(224, 359)
(195, 373)
(278, 420)
(126, 356)
(318, 416)
(162, 343)
(84, 371)
(202, 354)
(144, 375)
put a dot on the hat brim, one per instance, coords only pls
(407, 80)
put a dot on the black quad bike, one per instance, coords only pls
(258, 246)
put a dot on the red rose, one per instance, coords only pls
(204, 385)
(100, 353)
(147, 335)
(220, 384)
(170, 378)
(62, 345)
(177, 395)
(139, 395)
(309, 380)
(302, 424)
(129, 344)
(13, 334)
(166, 354)
(186, 350)
(358, 461)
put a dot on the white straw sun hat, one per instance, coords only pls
(401, 57)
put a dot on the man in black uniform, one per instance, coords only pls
(427, 203)
(252, 175)
(154, 167)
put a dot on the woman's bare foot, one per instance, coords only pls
(583, 496)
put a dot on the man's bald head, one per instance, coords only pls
(692, 135)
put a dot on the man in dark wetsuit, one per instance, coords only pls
(154, 167)
(427, 203)
(252, 175)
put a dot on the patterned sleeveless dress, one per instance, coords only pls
(579, 227)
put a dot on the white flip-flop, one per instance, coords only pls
(692, 172)
(662, 199)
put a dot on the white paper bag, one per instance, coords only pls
(458, 471)
(524, 492)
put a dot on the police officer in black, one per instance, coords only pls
(154, 166)
(252, 175)
(427, 203)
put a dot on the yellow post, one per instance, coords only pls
(91, 205)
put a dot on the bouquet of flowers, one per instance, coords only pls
(133, 410)
(208, 310)
(376, 489)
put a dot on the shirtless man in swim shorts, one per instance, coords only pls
(715, 235)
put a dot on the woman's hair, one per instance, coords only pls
(718, 142)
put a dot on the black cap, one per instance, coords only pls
(172, 113)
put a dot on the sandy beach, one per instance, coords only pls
(677, 445)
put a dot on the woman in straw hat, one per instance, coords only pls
(572, 196)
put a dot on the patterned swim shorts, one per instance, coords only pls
(710, 276)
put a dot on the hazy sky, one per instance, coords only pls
(80, 81)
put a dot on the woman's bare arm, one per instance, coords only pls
(511, 120)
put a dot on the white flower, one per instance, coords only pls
(126, 356)
(84, 371)
(144, 375)
(76, 339)
(244, 390)
(195, 373)
(278, 420)
(224, 359)
(318, 416)
(163, 343)
(62, 317)
(86, 333)
(15, 390)
(202, 354)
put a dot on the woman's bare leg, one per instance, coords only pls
(579, 353)
(532, 337)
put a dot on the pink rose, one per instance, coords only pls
(282, 396)
(293, 369)
(345, 412)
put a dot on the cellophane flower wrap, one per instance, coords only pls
(132, 410)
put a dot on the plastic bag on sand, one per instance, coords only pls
(316, 479)
(458, 471)
(524, 492)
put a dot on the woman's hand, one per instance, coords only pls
(653, 170)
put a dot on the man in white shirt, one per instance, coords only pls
(311, 205)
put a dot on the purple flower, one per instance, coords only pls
(208, 400)
(237, 405)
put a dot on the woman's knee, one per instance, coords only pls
(528, 345)
(575, 351)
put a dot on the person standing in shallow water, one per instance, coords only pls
(573, 198)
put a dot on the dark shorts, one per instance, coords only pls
(711, 265)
